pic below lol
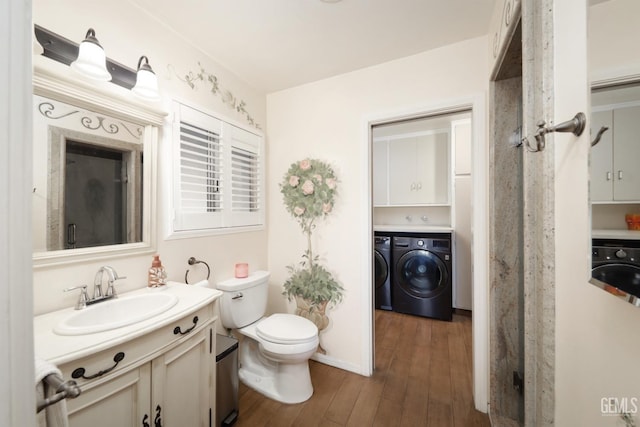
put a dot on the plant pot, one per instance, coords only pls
(314, 312)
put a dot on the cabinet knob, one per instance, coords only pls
(619, 174)
(608, 176)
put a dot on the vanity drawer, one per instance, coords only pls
(137, 350)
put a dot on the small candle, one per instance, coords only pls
(242, 270)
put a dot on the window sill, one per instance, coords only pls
(191, 234)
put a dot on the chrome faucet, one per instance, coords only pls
(112, 276)
(98, 296)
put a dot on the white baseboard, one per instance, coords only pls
(337, 363)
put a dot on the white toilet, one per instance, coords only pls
(275, 350)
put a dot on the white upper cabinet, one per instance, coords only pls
(412, 169)
(626, 153)
(380, 173)
(615, 175)
(419, 170)
(602, 158)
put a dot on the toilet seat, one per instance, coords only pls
(284, 328)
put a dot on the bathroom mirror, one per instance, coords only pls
(614, 173)
(615, 188)
(94, 166)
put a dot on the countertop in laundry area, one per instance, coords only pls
(616, 234)
(413, 228)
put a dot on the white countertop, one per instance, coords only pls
(413, 228)
(615, 234)
(59, 349)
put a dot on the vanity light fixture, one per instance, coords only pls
(146, 81)
(91, 61)
(69, 53)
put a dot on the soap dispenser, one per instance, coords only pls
(157, 273)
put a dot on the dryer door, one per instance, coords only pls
(625, 277)
(421, 273)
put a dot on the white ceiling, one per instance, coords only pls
(277, 44)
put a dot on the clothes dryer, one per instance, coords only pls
(382, 280)
(422, 275)
(616, 267)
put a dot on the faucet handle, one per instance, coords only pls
(82, 299)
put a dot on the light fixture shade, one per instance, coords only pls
(146, 81)
(92, 61)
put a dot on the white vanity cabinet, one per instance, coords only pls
(615, 175)
(163, 378)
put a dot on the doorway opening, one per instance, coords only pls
(422, 186)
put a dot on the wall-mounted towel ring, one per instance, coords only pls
(193, 261)
(575, 126)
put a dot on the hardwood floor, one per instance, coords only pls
(422, 378)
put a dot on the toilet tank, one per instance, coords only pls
(243, 300)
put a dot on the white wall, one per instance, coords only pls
(126, 33)
(597, 338)
(327, 120)
(17, 379)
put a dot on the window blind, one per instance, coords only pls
(244, 180)
(201, 179)
(219, 173)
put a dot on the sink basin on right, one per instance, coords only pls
(115, 313)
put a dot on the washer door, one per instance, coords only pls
(421, 273)
(623, 276)
(382, 269)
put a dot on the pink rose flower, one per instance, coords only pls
(318, 178)
(331, 183)
(307, 188)
(305, 164)
(294, 180)
(326, 207)
(298, 210)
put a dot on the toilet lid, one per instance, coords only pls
(286, 329)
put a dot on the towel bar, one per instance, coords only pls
(63, 390)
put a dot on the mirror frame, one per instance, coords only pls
(56, 81)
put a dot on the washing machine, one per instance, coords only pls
(382, 280)
(616, 267)
(422, 272)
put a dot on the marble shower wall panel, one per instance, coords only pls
(506, 270)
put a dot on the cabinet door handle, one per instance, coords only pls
(619, 174)
(157, 422)
(79, 372)
(177, 329)
(608, 176)
(144, 421)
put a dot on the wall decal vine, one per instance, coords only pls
(194, 78)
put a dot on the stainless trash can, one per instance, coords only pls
(226, 380)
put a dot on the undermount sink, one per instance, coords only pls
(115, 313)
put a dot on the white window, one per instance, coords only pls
(219, 179)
